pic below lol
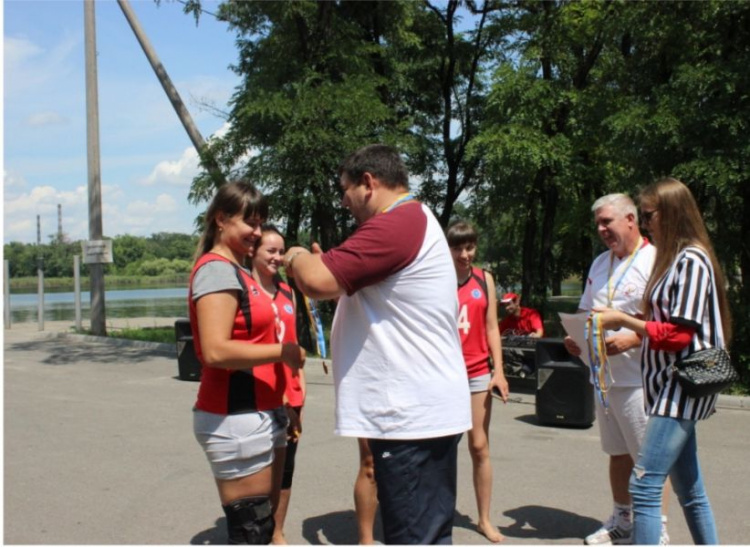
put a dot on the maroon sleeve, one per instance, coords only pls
(379, 248)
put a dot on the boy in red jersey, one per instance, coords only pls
(520, 321)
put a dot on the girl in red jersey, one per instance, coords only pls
(239, 418)
(480, 341)
(267, 259)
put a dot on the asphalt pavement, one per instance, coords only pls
(99, 450)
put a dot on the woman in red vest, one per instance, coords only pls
(267, 261)
(239, 418)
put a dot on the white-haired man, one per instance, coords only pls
(617, 279)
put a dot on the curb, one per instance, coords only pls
(733, 402)
(730, 402)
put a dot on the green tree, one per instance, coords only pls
(171, 245)
(314, 88)
(685, 111)
(321, 79)
(575, 99)
(126, 250)
(539, 139)
(21, 258)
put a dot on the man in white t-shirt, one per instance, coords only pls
(397, 362)
(617, 279)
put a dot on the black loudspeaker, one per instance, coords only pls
(188, 366)
(564, 394)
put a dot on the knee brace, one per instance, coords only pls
(249, 521)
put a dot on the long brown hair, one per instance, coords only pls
(681, 225)
(231, 199)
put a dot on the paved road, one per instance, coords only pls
(99, 450)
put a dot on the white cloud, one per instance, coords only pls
(13, 184)
(163, 204)
(22, 209)
(18, 51)
(42, 199)
(42, 119)
(182, 171)
(175, 173)
(143, 217)
(32, 66)
(223, 130)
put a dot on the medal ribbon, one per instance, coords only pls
(598, 358)
(317, 324)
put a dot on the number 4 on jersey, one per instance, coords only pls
(463, 320)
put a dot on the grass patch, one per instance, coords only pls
(164, 335)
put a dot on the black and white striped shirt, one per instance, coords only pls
(685, 295)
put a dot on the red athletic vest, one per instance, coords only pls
(472, 323)
(285, 305)
(224, 391)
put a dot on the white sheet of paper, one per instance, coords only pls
(575, 324)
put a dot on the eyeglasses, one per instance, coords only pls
(647, 215)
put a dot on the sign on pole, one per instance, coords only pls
(97, 251)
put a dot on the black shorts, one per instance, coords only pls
(291, 456)
(416, 489)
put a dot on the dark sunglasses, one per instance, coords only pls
(646, 215)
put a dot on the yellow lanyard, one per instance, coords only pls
(610, 289)
(406, 196)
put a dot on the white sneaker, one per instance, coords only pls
(610, 534)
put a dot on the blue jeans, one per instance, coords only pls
(669, 448)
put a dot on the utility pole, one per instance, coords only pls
(59, 224)
(96, 270)
(39, 275)
(174, 97)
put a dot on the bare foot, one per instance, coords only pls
(278, 539)
(490, 532)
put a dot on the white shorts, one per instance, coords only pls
(480, 383)
(623, 425)
(237, 445)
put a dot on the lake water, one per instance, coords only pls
(170, 302)
(60, 306)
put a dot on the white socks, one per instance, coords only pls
(623, 518)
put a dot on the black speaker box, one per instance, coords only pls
(188, 365)
(564, 394)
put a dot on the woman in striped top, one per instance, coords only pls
(687, 309)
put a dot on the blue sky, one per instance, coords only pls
(147, 159)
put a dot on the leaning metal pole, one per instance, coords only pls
(96, 271)
(174, 97)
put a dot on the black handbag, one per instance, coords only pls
(705, 372)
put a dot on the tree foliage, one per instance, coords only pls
(162, 253)
(516, 114)
(321, 79)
